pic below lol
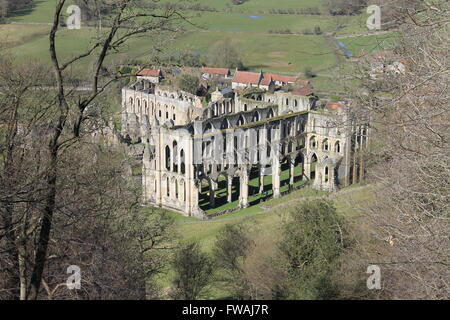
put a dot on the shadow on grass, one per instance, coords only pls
(25, 11)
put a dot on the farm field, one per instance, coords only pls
(249, 26)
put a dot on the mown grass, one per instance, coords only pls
(255, 6)
(13, 35)
(41, 11)
(282, 53)
(362, 46)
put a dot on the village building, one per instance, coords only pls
(152, 75)
(266, 81)
(216, 73)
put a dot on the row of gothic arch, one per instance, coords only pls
(172, 188)
(325, 145)
(167, 112)
(174, 159)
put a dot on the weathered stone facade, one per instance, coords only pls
(188, 145)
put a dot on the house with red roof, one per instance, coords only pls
(280, 80)
(152, 75)
(243, 79)
(218, 73)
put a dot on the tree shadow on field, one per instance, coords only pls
(27, 10)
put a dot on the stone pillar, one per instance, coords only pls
(212, 191)
(261, 181)
(319, 179)
(243, 195)
(276, 168)
(276, 177)
(307, 168)
(229, 189)
(291, 172)
(192, 193)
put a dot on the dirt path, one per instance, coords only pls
(365, 34)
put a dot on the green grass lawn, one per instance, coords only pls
(41, 12)
(255, 6)
(361, 46)
(281, 53)
(239, 22)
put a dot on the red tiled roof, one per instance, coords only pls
(150, 73)
(303, 92)
(247, 77)
(266, 81)
(280, 78)
(221, 71)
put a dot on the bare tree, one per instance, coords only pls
(42, 113)
(407, 103)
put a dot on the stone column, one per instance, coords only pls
(276, 177)
(212, 191)
(229, 189)
(243, 196)
(276, 168)
(192, 193)
(261, 180)
(291, 172)
(307, 168)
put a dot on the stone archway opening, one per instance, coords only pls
(204, 194)
(222, 191)
(313, 162)
(299, 169)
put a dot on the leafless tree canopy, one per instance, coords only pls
(65, 197)
(410, 116)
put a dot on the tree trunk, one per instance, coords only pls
(46, 225)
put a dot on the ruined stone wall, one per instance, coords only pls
(193, 146)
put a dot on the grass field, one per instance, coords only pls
(282, 53)
(40, 12)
